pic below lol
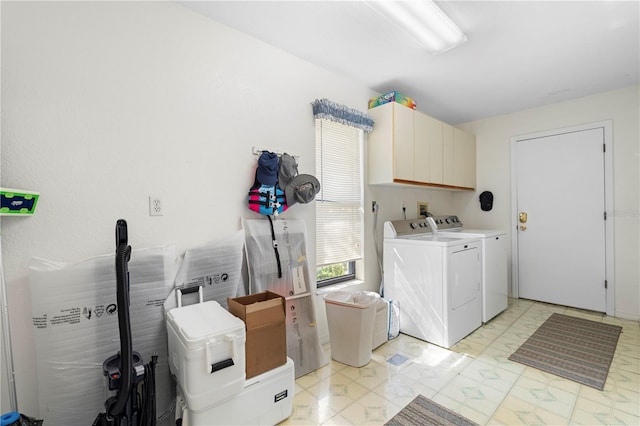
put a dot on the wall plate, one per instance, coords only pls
(422, 209)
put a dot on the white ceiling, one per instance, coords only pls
(518, 54)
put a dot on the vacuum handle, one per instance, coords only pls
(121, 232)
(118, 408)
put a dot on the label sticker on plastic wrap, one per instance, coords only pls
(299, 285)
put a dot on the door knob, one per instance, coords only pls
(523, 217)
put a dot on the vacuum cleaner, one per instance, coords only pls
(133, 382)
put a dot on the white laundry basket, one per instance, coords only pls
(351, 320)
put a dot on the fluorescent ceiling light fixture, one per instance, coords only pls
(425, 21)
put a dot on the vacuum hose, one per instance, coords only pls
(123, 254)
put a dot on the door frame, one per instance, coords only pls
(607, 127)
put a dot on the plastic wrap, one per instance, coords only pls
(261, 259)
(217, 267)
(295, 285)
(394, 319)
(356, 299)
(76, 328)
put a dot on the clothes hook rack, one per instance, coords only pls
(258, 151)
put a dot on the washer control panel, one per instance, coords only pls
(447, 222)
(397, 228)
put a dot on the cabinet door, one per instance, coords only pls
(464, 158)
(436, 152)
(470, 176)
(403, 135)
(459, 157)
(447, 155)
(428, 131)
(380, 145)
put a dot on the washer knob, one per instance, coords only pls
(412, 225)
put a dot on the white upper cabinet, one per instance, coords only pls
(390, 146)
(464, 156)
(403, 141)
(427, 148)
(448, 164)
(411, 148)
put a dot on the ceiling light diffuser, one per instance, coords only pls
(425, 21)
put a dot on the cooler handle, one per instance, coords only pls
(189, 290)
(220, 365)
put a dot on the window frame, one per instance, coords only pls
(351, 264)
(349, 276)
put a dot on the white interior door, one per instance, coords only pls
(561, 226)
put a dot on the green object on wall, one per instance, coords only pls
(14, 202)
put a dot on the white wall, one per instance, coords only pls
(106, 103)
(493, 139)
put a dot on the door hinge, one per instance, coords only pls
(604, 147)
(605, 215)
(606, 284)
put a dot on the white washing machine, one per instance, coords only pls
(435, 279)
(494, 257)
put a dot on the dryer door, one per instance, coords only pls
(464, 274)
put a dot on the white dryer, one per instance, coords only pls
(435, 279)
(494, 261)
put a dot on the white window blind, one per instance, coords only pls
(339, 210)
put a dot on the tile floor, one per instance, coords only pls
(475, 379)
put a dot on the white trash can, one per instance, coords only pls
(351, 320)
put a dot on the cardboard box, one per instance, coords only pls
(392, 97)
(264, 318)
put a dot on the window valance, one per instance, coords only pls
(325, 109)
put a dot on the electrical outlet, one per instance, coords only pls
(155, 206)
(422, 208)
(374, 206)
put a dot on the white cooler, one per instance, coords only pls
(206, 353)
(266, 399)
